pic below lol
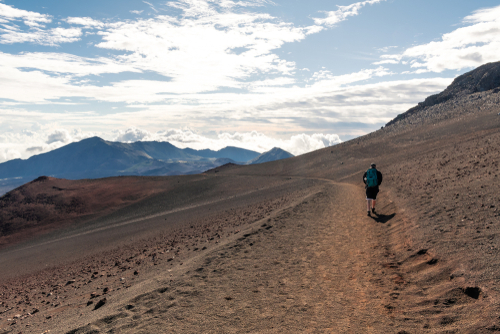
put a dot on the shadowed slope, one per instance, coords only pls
(47, 203)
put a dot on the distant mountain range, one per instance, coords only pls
(96, 158)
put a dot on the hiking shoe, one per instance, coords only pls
(368, 213)
(373, 210)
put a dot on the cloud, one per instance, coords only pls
(59, 136)
(151, 5)
(87, 22)
(9, 154)
(34, 149)
(9, 13)
(297, 144)
(138, 12)
(133, 135)
(11, 33)
(387, 48)
(52, 37)
(62, 63)
(202, 30)
(24, 144)
(343, 12)
(466, 47)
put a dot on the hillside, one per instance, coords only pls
(279, 247)
(483, 79)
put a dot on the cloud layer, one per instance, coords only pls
(343, 12)
(470, 46)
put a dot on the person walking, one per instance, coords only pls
(372, 179)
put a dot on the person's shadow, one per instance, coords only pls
(380, 218)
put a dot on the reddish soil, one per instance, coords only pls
(284, 246)
(47, 203)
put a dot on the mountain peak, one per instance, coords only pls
(273, 154)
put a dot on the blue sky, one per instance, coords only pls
(296, 74)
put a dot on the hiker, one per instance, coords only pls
(372, 179)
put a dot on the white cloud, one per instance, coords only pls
(9, 154)
(296, 144)
(387, 48)
(151, 5)
(36, 33)
(138, 12)
(8, 13)
(63, 63)
(60, 135)
(331, 80)
(343, 12)
(152, 43)
(203, 30)
(40, 139)
(87, 22)
(466, 47)
(52, 37)
(133, 135)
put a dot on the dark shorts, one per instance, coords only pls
(371, 193)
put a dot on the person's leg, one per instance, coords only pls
(374, 199)
(368, 204)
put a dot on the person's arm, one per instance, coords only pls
(364, 178)
(379, 177)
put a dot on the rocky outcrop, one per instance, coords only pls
(482, 79)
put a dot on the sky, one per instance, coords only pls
(258, 74)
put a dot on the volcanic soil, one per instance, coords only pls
(281, 247)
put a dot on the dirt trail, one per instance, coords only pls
(315, 266)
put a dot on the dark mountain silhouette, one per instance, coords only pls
(271, 155)
(96, 158)
(482, 79)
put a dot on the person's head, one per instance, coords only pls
(373, 165)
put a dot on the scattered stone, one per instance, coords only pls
(136, 273)
(100, 304)
(70, 282)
